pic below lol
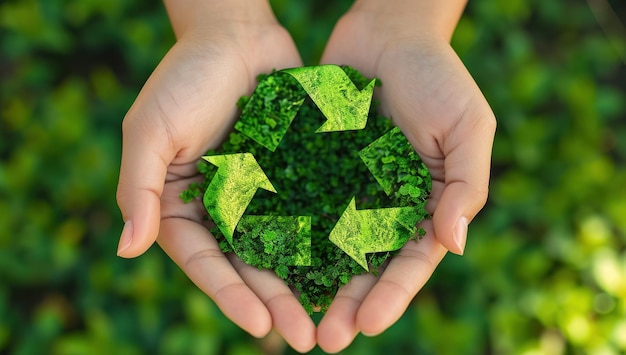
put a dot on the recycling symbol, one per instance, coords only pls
(358, 231)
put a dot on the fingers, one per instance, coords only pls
(371, 305)
(467, 150)
(288, 316)
(145, 157)
(253, 299)
(338, 327)
(197, 253)
(405, 275)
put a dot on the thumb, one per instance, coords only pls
(146, 154)
(467, 150)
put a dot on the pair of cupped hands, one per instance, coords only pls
(187, 106)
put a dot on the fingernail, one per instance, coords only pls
(126, 238)
(460, 234)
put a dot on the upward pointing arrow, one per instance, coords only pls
(233, 187)
(344, 106)
(359, 232)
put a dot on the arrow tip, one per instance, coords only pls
(245, 166)
(346, 234)
(232, 188)
(353, 115)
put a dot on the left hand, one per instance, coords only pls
(429, 94)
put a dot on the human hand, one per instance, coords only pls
(429, 94)
(186, 107)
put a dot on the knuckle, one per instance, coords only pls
(205, 255)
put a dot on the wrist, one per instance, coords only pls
(230, 16)
(411, 18)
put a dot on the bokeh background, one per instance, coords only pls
(545, 265)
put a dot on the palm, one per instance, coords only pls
(202, 94)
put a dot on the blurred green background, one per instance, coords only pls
(545, 265)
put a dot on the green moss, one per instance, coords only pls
(316, 175)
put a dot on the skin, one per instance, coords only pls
(188, 106)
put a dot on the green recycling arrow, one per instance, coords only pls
(265, 119)
(272, 135)
(345, 107)
(233, 187)
(377, 153)
(359, 232)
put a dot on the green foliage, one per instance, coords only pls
(315, 175)
(273, 242)
(544, 267)
(266, 117)
(398, 169)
